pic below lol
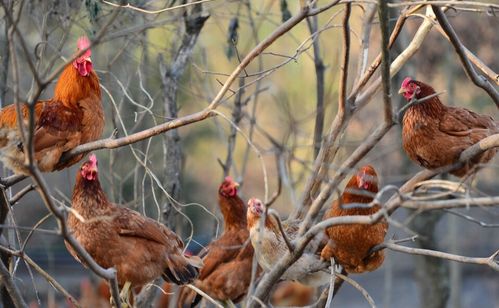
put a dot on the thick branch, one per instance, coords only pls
(477, 79)
(312, 23)
(385, 55)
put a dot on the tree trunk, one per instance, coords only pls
(432, 274)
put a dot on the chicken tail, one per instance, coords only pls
(182, 269)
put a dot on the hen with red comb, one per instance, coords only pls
(434, 135)
(138, 247)
(72, 117)
(226, 273)
(349, 244)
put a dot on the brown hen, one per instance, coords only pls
(226, 273)
(434, 135)
(72, 117)
(350, 244)
(138, 247)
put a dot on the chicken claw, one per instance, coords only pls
(124, 296)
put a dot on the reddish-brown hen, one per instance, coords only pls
(226, 273)
(292, 294)
(140, 248)
(434, 135)
(350, 244)
(72, 117)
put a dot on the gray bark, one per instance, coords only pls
(170, 78)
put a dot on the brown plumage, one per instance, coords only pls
(308, 269)
(226, 273)
(292, 294)
(72, 117)
(434, 135)
(350, 244)
(140, 248)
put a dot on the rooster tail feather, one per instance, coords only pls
(180, 270)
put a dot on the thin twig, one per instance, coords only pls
(13, 290)
(330, 294)
(488, 261)
(21, 193)
(43, 273)
(134, 8)
(356, 285)
(283, 233)
(413, 102)
(474, 220)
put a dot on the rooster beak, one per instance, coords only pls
(401, 91)
(93, 169)
(236, 185)
(88, 59)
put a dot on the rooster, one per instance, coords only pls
(72, 117)
(270, 245)
(138, 247)
(226, 273)
(434, 135)
(350, 244)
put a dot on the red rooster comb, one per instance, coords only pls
(406, 82)
(93, 159)
(82, 44)
(228, 187)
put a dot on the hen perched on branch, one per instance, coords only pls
(140, 248)
(434, 135)
(270, 245)
(72, 117)
(226, 273)
(350, 244)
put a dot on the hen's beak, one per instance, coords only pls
(401, 91)
(92, 170)
(236, 184)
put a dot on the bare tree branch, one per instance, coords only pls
(489, 261)
(13, 290)
(478, 80)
